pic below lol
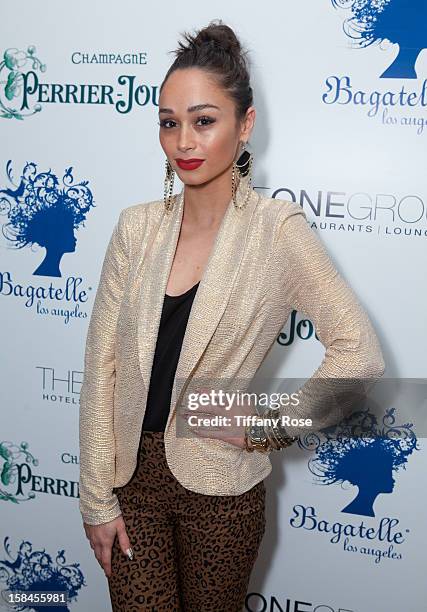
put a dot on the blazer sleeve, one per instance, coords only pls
(97, 502)
(353, 358)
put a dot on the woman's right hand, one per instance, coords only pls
(101, 538)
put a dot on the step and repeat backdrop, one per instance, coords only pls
(341, 93)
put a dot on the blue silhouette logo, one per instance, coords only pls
(398, 21)
(36, 571)
(360, 452)
(41, 211)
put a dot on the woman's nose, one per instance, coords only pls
(185, 139)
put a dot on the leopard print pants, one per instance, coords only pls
(192, 552)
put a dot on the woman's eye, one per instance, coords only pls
(164, 122)
(208, 120)
(205, 121)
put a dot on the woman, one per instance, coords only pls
(226, 266)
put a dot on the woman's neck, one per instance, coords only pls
(205, 205)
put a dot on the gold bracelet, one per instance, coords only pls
(283, 441)
(269, 432)
(249, 448)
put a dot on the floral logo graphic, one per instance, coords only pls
(397, 21)
(362, 453)
(36, 571)
(41, 211)
(13, 78)
(11, 454)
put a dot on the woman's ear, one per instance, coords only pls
(248, 124)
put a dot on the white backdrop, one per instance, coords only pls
(358, 172)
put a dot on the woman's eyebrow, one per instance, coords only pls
(190, 109)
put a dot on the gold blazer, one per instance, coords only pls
(265, 262)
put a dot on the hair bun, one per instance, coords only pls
(217, 33)
(216, 50)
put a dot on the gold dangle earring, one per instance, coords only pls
(242, 168)
(169, 179)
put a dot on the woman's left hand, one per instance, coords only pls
(229, 424)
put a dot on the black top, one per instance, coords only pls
(173, 322)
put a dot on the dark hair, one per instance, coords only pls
(217, 50)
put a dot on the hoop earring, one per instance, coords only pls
(242, 168)
(169, 179)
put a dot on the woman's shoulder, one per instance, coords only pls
(136, 218)
(278, 208)
(142, 210)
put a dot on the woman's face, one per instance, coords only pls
(209, 132)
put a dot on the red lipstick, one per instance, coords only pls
(189, 164)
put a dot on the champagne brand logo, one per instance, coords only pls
(19, 483)
(25, 94)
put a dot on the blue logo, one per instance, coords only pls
(398, 21)
(402, 24)
(35, 570)
(360, 452)
(42, 211)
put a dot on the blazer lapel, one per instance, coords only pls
(154, 274)
(212, 294)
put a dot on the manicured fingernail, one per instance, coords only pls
(129, 553)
